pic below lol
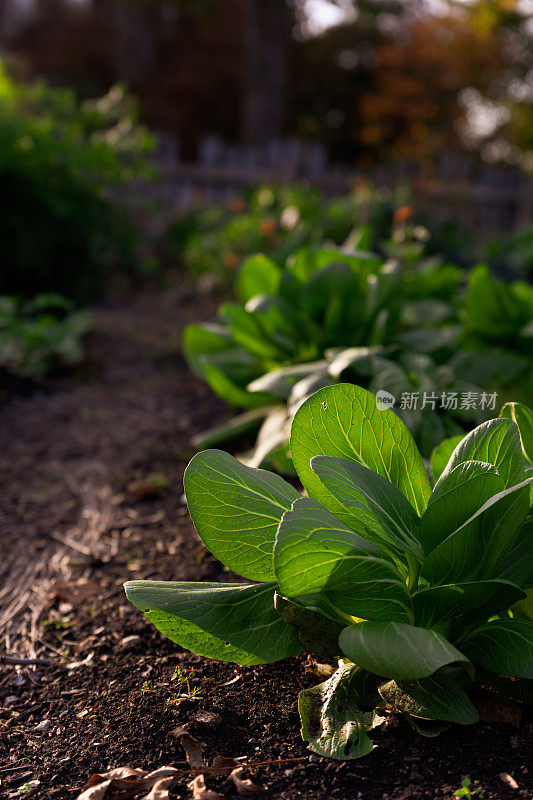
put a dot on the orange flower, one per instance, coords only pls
(402, 214)
(267, 226)
(237, 205)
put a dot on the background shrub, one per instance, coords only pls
(61, 162)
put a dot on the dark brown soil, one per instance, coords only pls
(79, 516)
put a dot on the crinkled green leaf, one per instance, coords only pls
(227, 621)
(344, 421)
(236, 511)
(504, 646)
(398, 651)
(316, 556)
(332, 721)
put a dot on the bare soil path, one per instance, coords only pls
(91, 495)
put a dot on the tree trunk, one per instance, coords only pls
(267, 35)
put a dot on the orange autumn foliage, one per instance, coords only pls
(414, 102)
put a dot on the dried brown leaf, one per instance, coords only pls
(193, 750)
(244, 785)
(200, 791)
(159, 790)
(222, 765)
(126, 782)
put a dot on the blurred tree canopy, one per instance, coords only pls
(399, 79)
(393, 77)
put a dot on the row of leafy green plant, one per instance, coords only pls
(421, 588)
(278, 220)
(410, 326)
(414, 575)
(41, 334)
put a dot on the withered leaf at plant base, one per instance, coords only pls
(317, 633)
(332, 720)
(123, 783)
(244, 785)
(200, 791)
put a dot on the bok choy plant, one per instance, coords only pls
(419, 592)
(320, 299)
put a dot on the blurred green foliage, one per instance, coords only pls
(61, 162)
(41, 334)
(274, 220)
(278, 220)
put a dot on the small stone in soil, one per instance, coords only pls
(210, 718)
(129, 642)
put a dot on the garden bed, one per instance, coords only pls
(85, 507)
